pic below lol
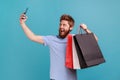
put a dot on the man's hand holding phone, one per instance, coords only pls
(23, 17)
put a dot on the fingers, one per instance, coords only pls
(23, 18)
(83, 26)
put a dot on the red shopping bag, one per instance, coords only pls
(69, 56)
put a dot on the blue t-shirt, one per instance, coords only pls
(58, 71)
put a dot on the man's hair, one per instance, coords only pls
(67, 18)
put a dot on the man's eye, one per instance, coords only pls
(64, 24)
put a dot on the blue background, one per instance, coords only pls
(22, 59)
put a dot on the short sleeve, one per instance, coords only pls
(47, 40)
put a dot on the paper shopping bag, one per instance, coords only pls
(76, 63)
(69, 57)
(88, 50)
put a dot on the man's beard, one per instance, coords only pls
(63, 33)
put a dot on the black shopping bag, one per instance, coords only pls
(88, 50)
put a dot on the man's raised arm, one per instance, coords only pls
(28, 32)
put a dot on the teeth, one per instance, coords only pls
(62, 30)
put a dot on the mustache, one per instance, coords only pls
(65, 33)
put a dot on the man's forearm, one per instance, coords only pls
(27, 31)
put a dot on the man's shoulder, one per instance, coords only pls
(50, 37)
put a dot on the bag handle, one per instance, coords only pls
(80, 31)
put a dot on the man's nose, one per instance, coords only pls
(61, 26)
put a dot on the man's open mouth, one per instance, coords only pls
(62, 30)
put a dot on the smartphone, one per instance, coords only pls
(23, 17)
(25, 11)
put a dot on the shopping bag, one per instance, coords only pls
(71, 60)
(76, 64)
(88, 50)
(69, 57)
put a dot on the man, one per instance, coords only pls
(57, 45)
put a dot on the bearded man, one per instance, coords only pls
(57, 45)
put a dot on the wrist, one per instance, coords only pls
(21, 22)
(85, 29)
